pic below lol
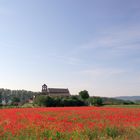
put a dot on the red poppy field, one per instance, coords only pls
(70, 123)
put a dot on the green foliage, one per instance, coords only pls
(23, 95)
(48, 101)
(27, 105)
(84, 94)
(112, 132)
(128, 102)
(115, 101)
(124, 106)
(57, 101)
(87, 134)
(0, 97)
(137, 102)
(81, 100)
(96, 101)
(40, 100)
(15, 100)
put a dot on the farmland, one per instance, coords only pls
(70, 123)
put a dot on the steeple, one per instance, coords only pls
(44, 88)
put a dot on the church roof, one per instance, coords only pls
(58, 90)
(55, 91)
(44, 85)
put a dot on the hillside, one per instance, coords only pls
(131, 98)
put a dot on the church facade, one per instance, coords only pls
(55, 92)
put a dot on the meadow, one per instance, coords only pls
(70, 123)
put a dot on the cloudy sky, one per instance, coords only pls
(75, 44)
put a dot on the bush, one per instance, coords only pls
(48, 101)
(96, 101)
(40, 100)
(15, 101)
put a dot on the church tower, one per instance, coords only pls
(44, 89)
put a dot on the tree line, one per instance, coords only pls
(82, 99)
(20, 97)
(11, 96)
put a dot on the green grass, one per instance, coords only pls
(124, 106)
(106, 134)
(27, 105)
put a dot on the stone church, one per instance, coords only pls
(55, 92)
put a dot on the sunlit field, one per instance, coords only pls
(70, 123)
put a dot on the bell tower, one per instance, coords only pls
(44, 88)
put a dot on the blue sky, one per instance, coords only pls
(75, 44)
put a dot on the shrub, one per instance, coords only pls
(96, 101)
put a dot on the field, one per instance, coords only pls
(70, 123)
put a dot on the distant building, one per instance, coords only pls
(55, 92)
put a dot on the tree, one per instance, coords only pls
(40, 100)
(0, 97)
(43, 100)
(15, 100)
(57, 101)
(84, 94)
(72, 102)
(49, 101)
(97, 101)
